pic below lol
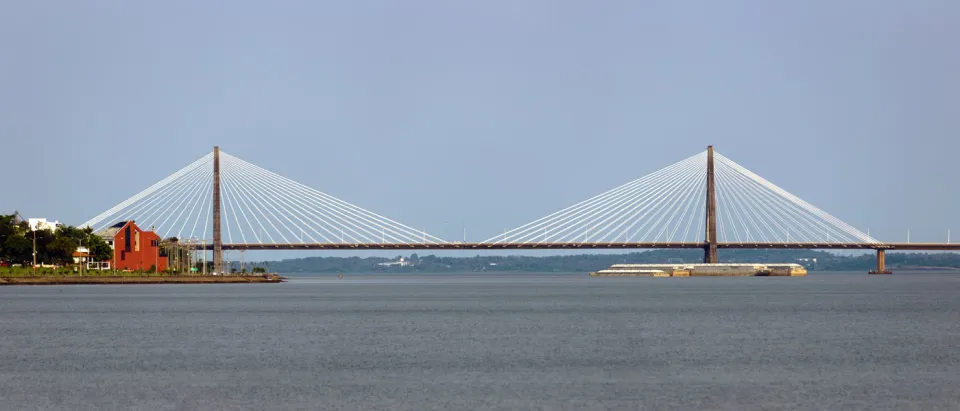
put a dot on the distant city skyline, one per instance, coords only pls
(487, 116)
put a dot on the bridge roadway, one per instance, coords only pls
(568, 246)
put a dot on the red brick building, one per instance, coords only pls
(134, 248)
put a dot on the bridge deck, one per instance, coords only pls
(567, 246)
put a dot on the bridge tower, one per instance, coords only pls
(217, 240)
(710, 240)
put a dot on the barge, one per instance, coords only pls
(702, 270)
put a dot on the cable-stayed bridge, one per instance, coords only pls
(707, 201)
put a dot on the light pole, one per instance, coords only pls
(80, 249)
(34, 250)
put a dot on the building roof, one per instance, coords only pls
(112, 231)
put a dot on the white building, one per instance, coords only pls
(42, 224)
(402, 263)
(81, 255)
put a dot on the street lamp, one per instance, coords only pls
(34, 250)
(80, 249)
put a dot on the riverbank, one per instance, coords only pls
(94, 280)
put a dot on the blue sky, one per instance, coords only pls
(487, 114)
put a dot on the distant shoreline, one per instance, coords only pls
(297, 274)
(925, 268)
(812, 260)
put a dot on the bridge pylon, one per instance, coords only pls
(217, 239)
(710, 239)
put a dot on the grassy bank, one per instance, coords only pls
(70, 271)
(7, 272)
(134, 278)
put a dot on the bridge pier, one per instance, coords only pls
(881, 263)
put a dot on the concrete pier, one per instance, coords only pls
(881, 263)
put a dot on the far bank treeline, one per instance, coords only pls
(53, 247)
(825, 261)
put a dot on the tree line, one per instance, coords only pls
(52, 247)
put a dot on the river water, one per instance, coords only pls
(487, 342)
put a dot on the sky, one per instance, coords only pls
(486, 114)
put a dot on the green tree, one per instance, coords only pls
(60, 250)
(18, 249)
(7, 228)
(99, 249)
(44, 238)
(72, 233)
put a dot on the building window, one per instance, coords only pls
(126, 239)
(136, 241)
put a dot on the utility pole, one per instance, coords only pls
(217, 241)
(710, 249)
(80, 248)
(34, 250)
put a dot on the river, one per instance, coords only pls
(487, 342)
